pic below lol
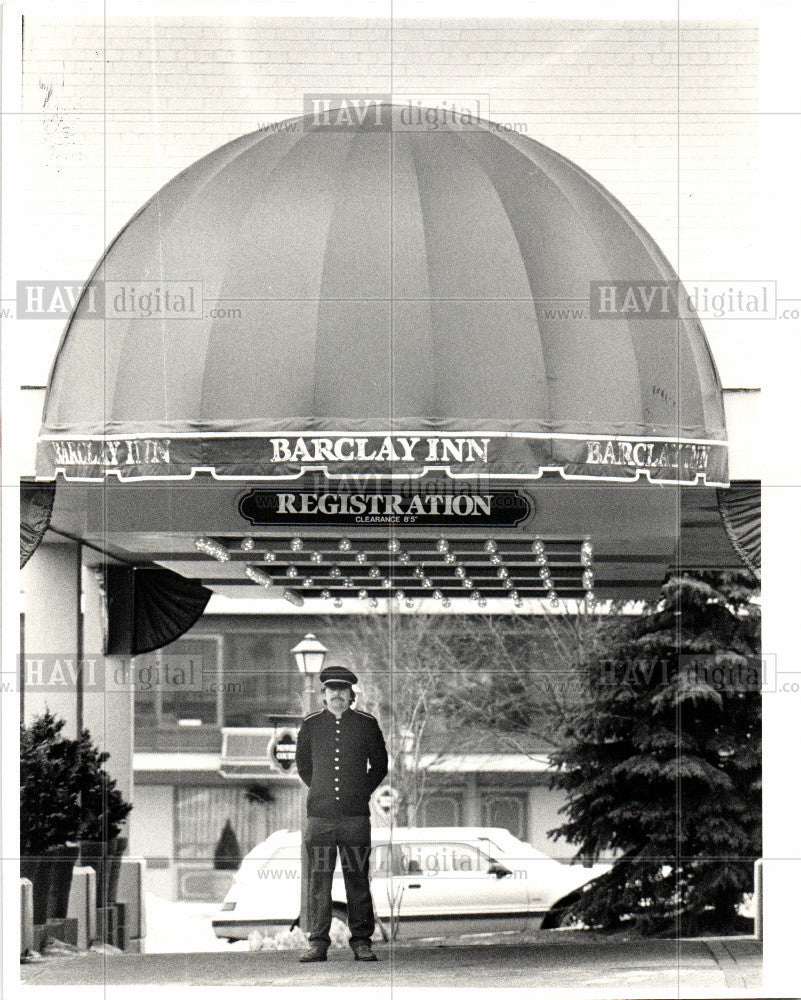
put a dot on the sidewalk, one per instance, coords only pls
(672, 966)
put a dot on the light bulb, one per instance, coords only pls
(292, 571)
(393, 545)
(308, 582)
(296, 544)
(461, 572)
(345, 545)
(490, 546)
(363, 594)
(247, 545)
(337, 602)
(335, 571)
(361, 558)
(374, 571)
(316, 557)
(502, 572)
(442, 545)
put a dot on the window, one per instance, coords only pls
(507, 811)
(260, 680)
(428, 858)
(164, 704)
(441, 809)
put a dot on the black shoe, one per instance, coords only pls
(317, 953)
(362, 952)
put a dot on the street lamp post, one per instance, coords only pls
(309, 655)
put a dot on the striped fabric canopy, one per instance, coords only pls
(381, 299)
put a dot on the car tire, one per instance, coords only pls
(558, 915)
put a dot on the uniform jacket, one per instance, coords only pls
(342, 761)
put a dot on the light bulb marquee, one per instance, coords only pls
(402, 572)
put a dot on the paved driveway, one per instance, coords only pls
(672, 966)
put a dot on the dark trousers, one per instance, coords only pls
(350, 835)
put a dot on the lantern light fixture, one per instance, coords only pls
(309, 654)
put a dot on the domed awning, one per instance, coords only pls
(383, 302)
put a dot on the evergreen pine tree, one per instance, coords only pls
(662, 763)
(227, 853)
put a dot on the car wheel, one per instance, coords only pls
(558, 915)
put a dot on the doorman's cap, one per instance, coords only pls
(338, 675)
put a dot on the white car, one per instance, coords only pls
(426, 882)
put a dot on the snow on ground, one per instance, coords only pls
(183, 927)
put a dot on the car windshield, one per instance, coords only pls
(282, 858)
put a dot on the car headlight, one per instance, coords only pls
(228, 906)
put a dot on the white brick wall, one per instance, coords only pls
(664, 117)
